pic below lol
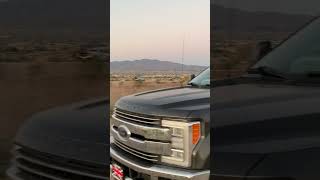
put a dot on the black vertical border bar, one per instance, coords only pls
(211, 90)
(108, 87)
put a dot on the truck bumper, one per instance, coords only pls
(158, 171)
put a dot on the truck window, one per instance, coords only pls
(239, 26)
(202, 80)
(298, 55)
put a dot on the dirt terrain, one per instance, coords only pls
(126, 84)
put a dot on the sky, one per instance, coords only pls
(156, 29)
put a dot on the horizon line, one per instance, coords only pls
(160, 60)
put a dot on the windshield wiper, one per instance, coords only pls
(266, 71)
(193, 84)
(198, 85)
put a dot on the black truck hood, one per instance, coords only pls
(257, 102)
(259, 113)
(252, 120)
(178, 102)
(78, 131)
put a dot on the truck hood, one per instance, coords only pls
(252, 120)
(78, 131)
(258, 113)
(178, 102)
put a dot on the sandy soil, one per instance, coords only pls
(124, 88)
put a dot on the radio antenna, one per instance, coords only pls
(182, 57)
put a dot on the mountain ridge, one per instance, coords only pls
(238, 20)
(149, 65)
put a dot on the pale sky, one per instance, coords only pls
(155, 29)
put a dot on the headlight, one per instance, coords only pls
(184, 137)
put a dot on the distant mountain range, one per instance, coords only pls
(236, 20)
(149, 65)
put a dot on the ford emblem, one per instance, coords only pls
(124, 133)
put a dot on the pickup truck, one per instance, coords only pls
(64, 143)
(265, 123)
(163, 134)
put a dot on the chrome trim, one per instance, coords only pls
(160, 171)
(153, 133)
(152, 147)
(148, 155)
(135, 118)
(134, 152)
(132, 115)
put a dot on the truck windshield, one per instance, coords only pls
(299, 55)
(202, 80)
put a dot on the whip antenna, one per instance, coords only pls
(182, 57)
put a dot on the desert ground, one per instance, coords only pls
(122, 84)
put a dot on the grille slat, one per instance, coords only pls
(145, 156)
(138, 118)
(145, 146)
(146, 132)
(47, 166)
(136, 151)
(39, 173)
(135, 116)
(44, 164)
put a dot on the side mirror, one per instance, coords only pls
(262, 49)
(192, 76)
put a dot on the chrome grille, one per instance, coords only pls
(136, 118)
(32, 164)
(147, 140)
(137, 153)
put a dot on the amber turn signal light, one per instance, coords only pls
(195, 133)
